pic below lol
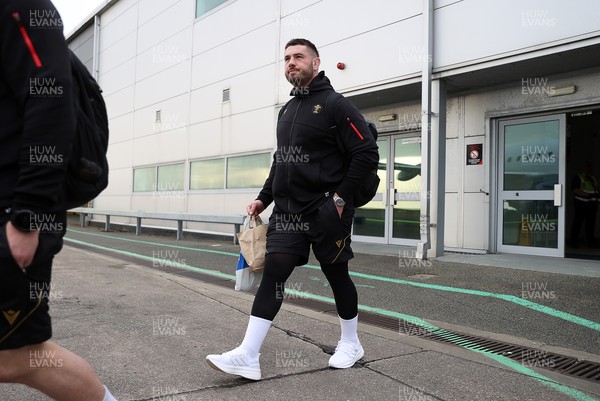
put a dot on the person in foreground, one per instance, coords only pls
(312, 183)
(38, 126)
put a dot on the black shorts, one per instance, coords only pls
(328, 234)
(24, 318)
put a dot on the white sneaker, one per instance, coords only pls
(346, 354)
(236, 362)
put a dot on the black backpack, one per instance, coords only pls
(87, 168)
(367, 191)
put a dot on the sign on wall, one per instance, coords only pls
(474, 154)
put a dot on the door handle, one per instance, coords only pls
(557, 195)
(393, 196)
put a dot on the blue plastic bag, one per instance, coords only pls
(245, 278)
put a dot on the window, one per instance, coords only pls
(248, 171)
(170, 177)
(207, 174)
(144, 179)
(204, 6)
(159, 178)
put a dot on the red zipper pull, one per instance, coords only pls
(27, 39)
(355, 130)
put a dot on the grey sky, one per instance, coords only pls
(74, 11)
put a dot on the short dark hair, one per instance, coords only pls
(303, 42)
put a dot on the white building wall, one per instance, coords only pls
(389, 41)
(157, 56)
(471, 31)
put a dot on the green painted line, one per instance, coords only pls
(505, 297)
(407, 221)
(510, 298)
(571, 392)
(155, 243)
(161, 262)
(373, 219)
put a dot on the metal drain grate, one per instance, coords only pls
(527, 356)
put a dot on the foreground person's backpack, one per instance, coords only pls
(87, 168)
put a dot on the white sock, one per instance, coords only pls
(108, 396)
(350, 329)
(255, 335)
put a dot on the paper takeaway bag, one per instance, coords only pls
(253, 242)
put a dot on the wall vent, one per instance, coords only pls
(225, 95)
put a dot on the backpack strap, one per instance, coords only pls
(332, 98)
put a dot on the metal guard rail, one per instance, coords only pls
(236, 220)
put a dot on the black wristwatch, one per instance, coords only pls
(23, 220)
(338, 201)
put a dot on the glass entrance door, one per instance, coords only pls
(405, 191)
(392, 217)
(531, 185)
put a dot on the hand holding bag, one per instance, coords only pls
(253, 242)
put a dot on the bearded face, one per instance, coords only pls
(301, 65)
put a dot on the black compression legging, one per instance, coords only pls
(279, 267)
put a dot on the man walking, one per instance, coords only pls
(312, 183)
(38, 126)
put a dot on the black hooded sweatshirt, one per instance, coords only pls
(308, 163)
(37, 118)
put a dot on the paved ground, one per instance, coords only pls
(388, 282)
(147, 331)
